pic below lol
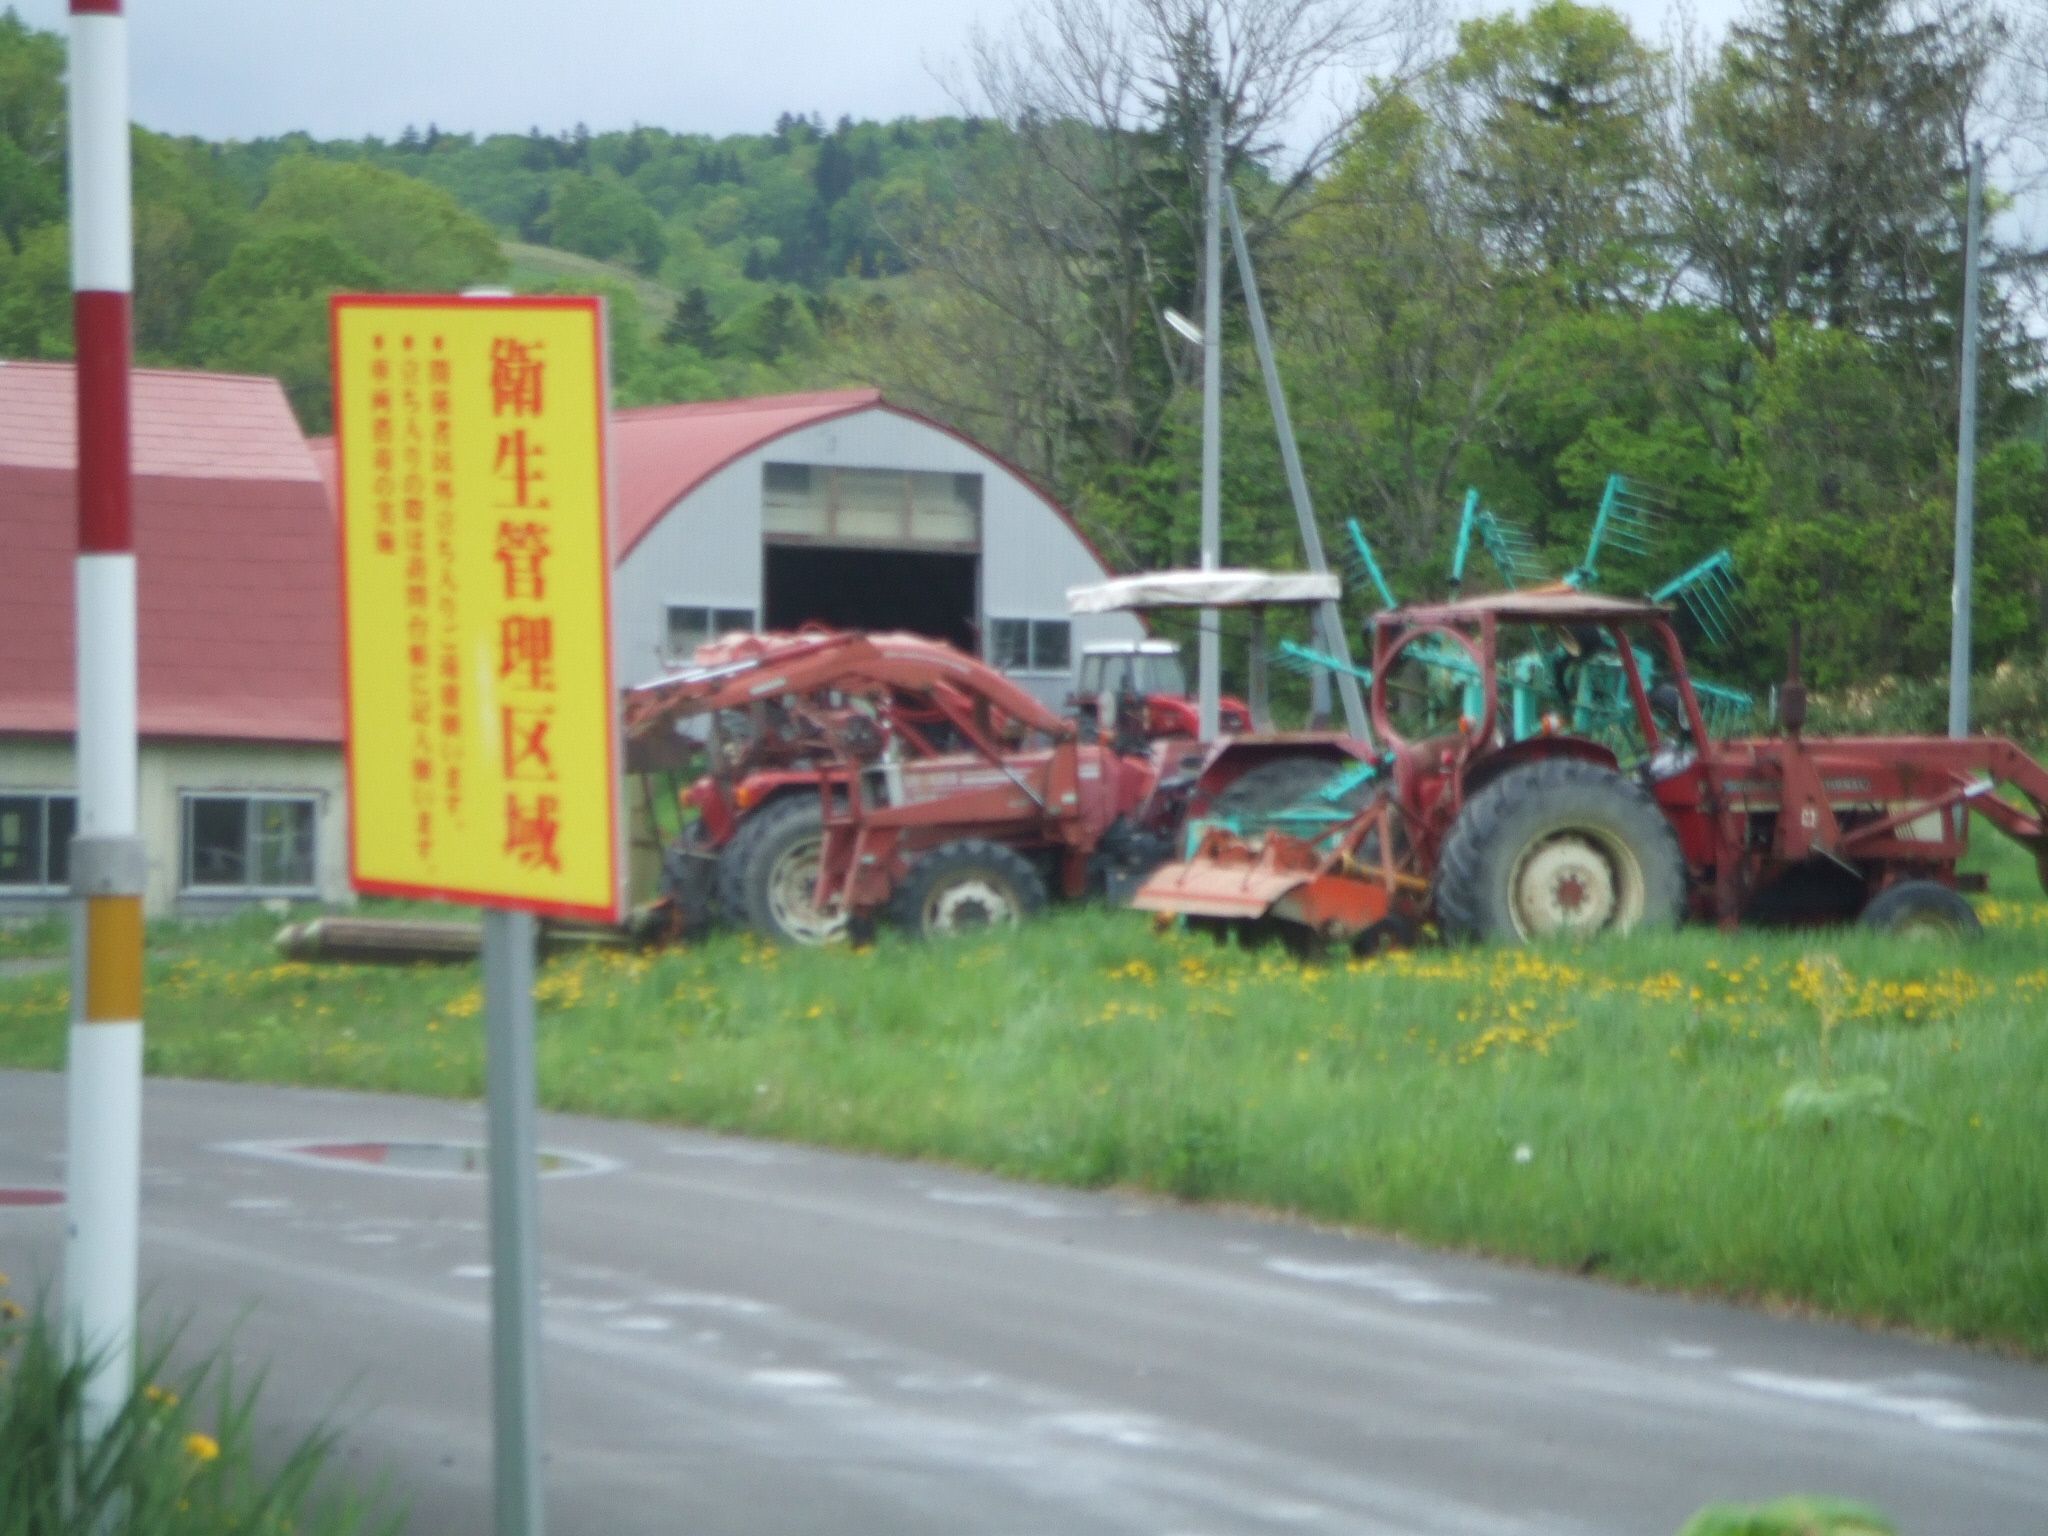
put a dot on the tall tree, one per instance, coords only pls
(1085, 219)
(1818, 173)
(1396, 337)
(600, 216)
(690, 324)
(1554, 118)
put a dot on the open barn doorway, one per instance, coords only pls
(928, 592)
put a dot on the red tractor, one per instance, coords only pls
(854, 776)
(1640, 824)
(1139, 689)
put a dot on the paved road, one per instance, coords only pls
(748, 1338)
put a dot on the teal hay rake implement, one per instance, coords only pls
(1566, 682)
(1570, 682)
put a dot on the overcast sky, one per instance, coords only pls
(249, 68)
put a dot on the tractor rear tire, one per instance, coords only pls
(1560, 848)
(967, 886)
(1922, 909)
(768, 871)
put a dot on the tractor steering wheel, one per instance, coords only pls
(1481, 729)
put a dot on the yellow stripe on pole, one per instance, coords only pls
(113, 959)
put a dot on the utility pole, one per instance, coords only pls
(1209, 680)
(1329, 618)
(103, 1089)
(1966, 463)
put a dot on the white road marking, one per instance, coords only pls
(731, 1152)
(1292, 1511)
(790, 1379)
(1023, 1205)
(470, 1272)
(640, 1323)
(1387, 1279)
(1131, 1430)
(557, 1162)
(710, 1301)
(935, 1381)
(1878, 1397)
(1690, 1351)
(254, 1204)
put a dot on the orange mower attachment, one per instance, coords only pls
(1336, 893)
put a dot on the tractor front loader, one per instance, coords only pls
(852, 777)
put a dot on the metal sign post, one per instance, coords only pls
(509, 1096)
(483, 725)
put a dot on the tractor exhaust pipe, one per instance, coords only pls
(1792, 694)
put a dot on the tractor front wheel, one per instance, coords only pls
(1922, 909)
(1560, 848)
(772, 873)
(968, 886)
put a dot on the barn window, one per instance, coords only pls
(691, 625)
(247, 843)
(35, 840)
(1031, 645)
(919, 508)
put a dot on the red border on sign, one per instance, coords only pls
(614, 855)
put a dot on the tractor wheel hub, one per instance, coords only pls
(1565, 886)
(970, 905)
(792, 896)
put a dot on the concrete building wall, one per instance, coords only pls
(171, 770)
(707, 549)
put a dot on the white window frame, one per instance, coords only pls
(1033, 667)
(187, 799)
(44, 886)
(826, 488)
(710, 610)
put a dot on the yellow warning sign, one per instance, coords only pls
(482, 725)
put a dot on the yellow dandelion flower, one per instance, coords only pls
(201, 1446)
(162, 1397)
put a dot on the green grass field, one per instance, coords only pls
(1829, 1120)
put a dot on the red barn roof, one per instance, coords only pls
(660, 453)
(238, 584)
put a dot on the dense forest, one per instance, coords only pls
(1543, 249)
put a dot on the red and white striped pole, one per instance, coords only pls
(104, 1087)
